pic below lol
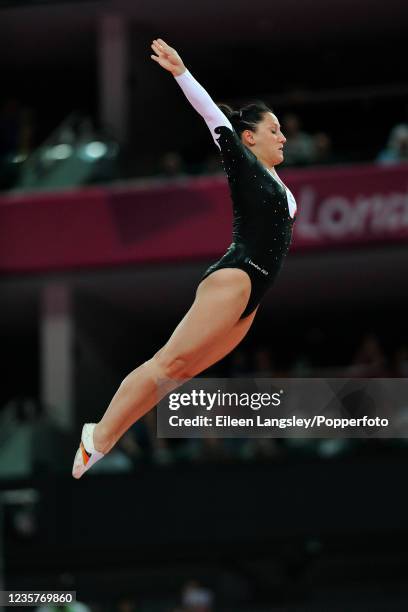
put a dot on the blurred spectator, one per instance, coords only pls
(369, 360)
(24, 521)
(299, 149)
(238, 364)
(263, 366)
(214, 449)
(85, 131)
(323, 149)
(400, 362)
(196, 598)
(397, 147)
(16, 134)
(15, 129)
(171, 165)
(126, 604)
(23, 409)
(212, 165)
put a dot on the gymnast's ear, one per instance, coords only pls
(247, 137)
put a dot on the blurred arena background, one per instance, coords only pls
(112, 205)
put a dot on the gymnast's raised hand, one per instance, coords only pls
(167, 57)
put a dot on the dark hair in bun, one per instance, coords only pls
(247, 117)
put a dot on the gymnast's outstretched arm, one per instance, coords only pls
(169, 59)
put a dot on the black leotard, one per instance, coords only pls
(262, 226)
(262, 205)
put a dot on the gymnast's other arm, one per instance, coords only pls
(169, 59)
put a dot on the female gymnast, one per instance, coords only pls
(227, 298)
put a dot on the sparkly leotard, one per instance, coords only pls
(263, 208)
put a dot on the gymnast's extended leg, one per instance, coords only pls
(224, 345)
(211, 328)
(220, 300)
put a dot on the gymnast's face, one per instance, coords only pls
(267, 140)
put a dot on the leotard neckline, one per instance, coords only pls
(291, 205)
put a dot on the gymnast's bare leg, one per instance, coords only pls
(210, 329)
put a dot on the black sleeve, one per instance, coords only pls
(235, 155)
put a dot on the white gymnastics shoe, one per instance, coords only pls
(86, 455)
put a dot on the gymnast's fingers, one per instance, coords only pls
(157, 49)
(165, 46)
